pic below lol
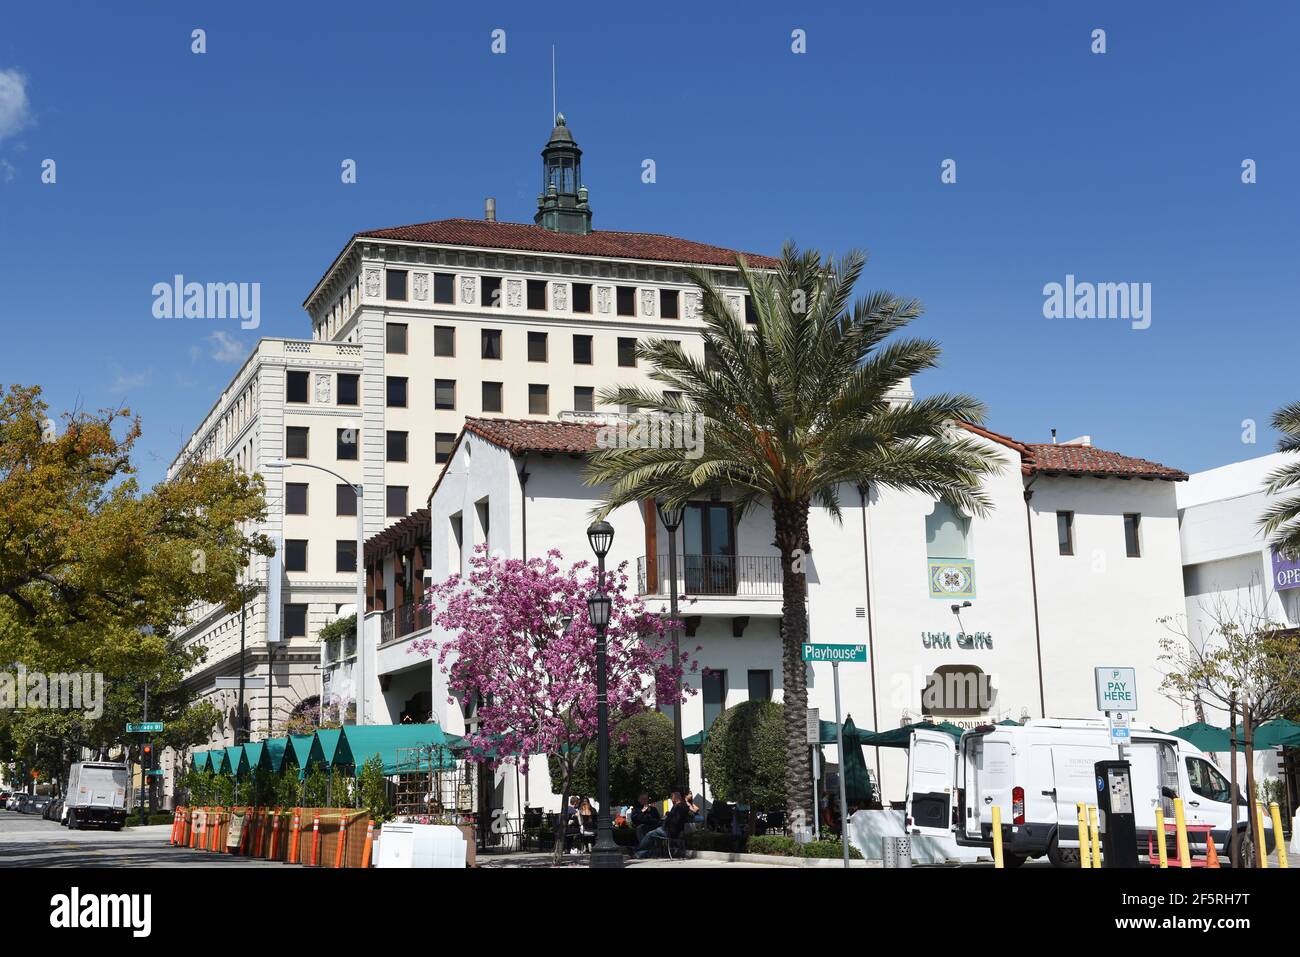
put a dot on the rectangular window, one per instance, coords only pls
(396, 443)
(1132, 540)
(295, 498)
(346, 444)
(295, 442)
(1065, 532)
(582, 350)
(395, 387)
(582, 297)
(444, 288)
(626, 352)
(536, 294)
(536, 347)
(539, 400)
(444, 393)
(715, 695)
(751, 316)
(760, 686)
(296, 386)
(710, 353)
(395, 496)
(626, 296)
(457, 541)
(345, 555)
(444, 341)
(584, 398)
(349, 388)
(491, 343)
(295, 621)
(345, 500)
(668, 303)
(395, 283)
(295, 554)
(442, 445)
(395, 338)
(491, 396)
(484, 514)
(491, 292)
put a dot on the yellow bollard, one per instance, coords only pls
(1276, 814)
(1180, 823)
(1261, 849)
(1094, 840)
(1085, 853)
(997, 836)
(1160, 838)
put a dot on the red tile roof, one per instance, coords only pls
(527, 435)
(526, 237)
(1050, 459)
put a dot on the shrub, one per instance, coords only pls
(640, 759)
(625, 836)
(744, 756)
(772, 844)
(825, 848)
(287, 788)
(372, 789)
(315, 787)
(710, 841)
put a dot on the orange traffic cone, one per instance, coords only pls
(1211, 852)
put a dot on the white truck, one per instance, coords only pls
(97, 794)
(1038, 773)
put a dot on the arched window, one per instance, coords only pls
(947, 533)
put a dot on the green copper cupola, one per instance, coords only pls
(562, 207)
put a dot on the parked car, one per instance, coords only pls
(1038, 772)
(26, 803)
(4, 798)
(40, 803)
(53, 809)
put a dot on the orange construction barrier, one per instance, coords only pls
(176, 820)
(342, 843)
(275, 836)
(315, 839)
(370, 843)
(296, 834)
(196, 827)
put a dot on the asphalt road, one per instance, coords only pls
(28, 841)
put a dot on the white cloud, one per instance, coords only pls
(15, 110)
(226, 347)
(131, 381)
(7, 171)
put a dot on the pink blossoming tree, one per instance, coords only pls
(521, 645)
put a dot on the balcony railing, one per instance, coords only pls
(739, 576)
(397, 623)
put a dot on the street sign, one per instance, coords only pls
(154, 772)
(251, 683)
(814, 726)
(1119, 728)
(834, 653)
(1116, 689)
(146, 727)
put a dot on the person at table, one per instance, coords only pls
(586, 818)
(645, 816)
(683, 809)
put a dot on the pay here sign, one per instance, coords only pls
(1116, 689)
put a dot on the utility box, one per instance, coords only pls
(1115, 819)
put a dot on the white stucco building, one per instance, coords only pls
(1103, 567)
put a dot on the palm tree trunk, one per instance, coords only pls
(791, 518)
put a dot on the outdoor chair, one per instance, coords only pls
(668, 843)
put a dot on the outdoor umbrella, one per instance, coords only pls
(902, 737)
(857, 785)
(1276, 734)
(695, 743)
(1205, 736)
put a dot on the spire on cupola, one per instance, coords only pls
(562, 207)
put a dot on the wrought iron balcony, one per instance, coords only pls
(738, 576)
(397, 623)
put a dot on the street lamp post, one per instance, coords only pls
(605, 853)
(361, 579)
(671, 517)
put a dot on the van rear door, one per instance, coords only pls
(931, 768)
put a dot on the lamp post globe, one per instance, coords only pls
(605, 853)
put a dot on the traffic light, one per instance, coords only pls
(147, 760)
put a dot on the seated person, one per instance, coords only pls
(644, 816)
(682, 810)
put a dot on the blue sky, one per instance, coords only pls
(1120, 167)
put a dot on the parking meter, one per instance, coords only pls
(1115, 820)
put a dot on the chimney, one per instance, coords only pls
(1053, 436)
(490, 209)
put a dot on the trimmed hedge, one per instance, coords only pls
(744, 756)
(773, 844)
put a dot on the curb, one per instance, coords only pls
(781, 860)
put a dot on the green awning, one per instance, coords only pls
(324, 747)
(200, 759)
(273, 752)
(357, 744)
(1204, 736)
(299, 749)
(902, 737)
(234, 760)
(252, 756)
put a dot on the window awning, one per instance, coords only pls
(392, 743)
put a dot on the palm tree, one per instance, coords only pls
(1282, 520)
(795, 406)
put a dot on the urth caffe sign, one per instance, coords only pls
(1286, 572)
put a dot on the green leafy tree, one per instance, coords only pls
(744, 755)
(796, 407)
(1281, 522)
(641, 758)
(372, 790)
(315, 787)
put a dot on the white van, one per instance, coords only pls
(1038, 773)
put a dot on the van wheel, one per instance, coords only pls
(1062, 856)
(72, 820)
(1013, 860)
